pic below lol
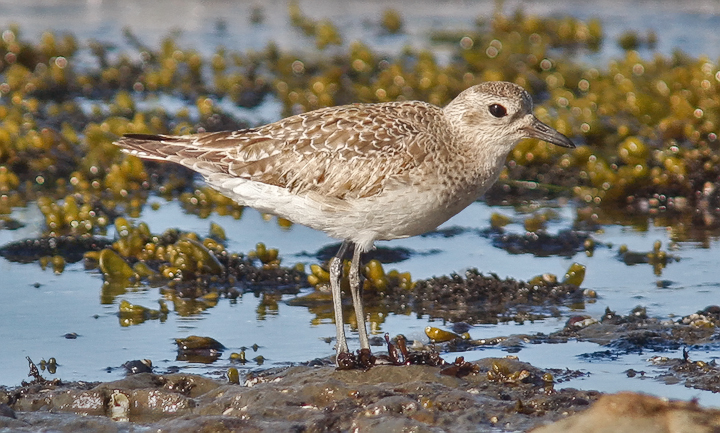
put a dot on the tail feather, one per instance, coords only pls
(148, 146)
(149, 137)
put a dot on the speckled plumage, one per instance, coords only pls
(363, 172)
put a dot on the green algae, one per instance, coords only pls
(376, 278)
(194, 342)
(650, 125)
(131, 314)
(233, 376)
(391, 21)
(438, 335)
(574, 275)
(267, 256)
(114, 267)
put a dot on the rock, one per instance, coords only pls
(629, 412)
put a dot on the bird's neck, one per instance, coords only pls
(484, 161)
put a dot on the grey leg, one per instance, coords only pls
(356, 290)
(336, 266)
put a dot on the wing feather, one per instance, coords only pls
(341, 152)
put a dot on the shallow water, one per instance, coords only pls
(205, 25)
(39, 307)
(33, 319)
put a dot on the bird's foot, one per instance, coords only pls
(345, 361)
(364, 359)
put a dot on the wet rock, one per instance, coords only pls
(138, 366)
(314, 398)
(461, 327)
(195, 342)
(695, 374)
(541, 243)
(476, 298)
(629, 412)
(380, 253)
(640, 340)
(6, 411)
(61, 423)
(500, 394)
(194, 348)
(239, 268)
(709, 317)
(7, 223)
(636, 332)
(447, 232)
(633, 333)
(71, 248)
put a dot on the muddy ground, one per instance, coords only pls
(492, 394)
(504, 395)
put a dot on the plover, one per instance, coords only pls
(362, 172)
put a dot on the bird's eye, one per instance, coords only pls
(497, 110)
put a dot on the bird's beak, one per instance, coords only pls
(539, 130)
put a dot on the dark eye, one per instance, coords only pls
(497, 110)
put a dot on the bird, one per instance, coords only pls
(362, 172)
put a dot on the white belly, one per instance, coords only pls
(395, 213)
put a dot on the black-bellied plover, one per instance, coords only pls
(363, 172)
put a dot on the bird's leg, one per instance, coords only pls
(336, 265)
(356, 291)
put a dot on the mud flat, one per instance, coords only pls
(501, 394)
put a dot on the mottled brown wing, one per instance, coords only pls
(348, 151)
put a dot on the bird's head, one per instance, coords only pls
(500, 113)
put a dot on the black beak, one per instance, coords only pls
(539, 130)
